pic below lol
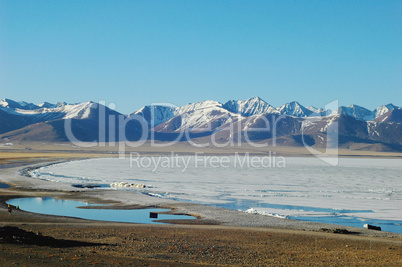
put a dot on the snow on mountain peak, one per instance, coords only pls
(357, 112)
(156, 114)
(207, 104)
(381, 110)
(294, 109)
(47, 105)
(204, 110)
(78, 111)
(314, 109)
(249, 107)
(199, 117)
(364, 114)
(8, 103)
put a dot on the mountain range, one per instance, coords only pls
(253, 120)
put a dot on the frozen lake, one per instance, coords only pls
(357, 189)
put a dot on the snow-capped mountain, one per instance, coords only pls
(361, 113)
(156, 114)
(202, 105)
(294, 109)
(319, 111)
(251, 119)
(50, 105)
(357, 112)
(8, 103)
(381, 110)
(47, 111)
(314, 109)
(394, 115)
(87, 122)
(249, 107)
(195, 115)
(204, 116)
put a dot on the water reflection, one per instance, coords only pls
(320, 215)
(386, 225)
(60, 207)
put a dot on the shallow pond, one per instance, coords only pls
(343, 217)
(2, 185)
(52, 206)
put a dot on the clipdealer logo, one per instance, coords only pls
(113, 127)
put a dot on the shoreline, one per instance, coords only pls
(120, 199)
(232, 238)
(156, 149)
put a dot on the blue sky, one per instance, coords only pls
(133, 53)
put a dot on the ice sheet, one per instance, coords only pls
(364, 187)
